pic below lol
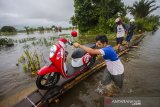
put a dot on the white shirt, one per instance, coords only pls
(120, 31)
(114, 67)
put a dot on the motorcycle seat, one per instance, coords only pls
(78, 53)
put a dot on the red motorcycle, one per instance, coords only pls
(81, 61)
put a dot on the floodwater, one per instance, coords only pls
(142, 71)
(13, 80)
(142, 77)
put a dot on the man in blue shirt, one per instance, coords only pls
(115, 69)
(130, 31)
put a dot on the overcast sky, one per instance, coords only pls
(35, 13)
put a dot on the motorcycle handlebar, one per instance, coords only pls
(70, 43)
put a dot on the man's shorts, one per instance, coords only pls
(119, 40)
(108, 77)
(128, 38)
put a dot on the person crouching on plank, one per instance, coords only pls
(115, 69)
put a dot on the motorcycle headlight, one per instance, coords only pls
(52, 51)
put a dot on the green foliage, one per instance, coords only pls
(73, 21)
(26, 46)
(141, 11)
(30, 30)
(31, 62)
(6, 42)
(110, 25)
(143, 8)
(105, 26)
(41, 29)
(44, 41)
(146, 24)
(90, 38)
(25, 67)
(93, 15)
(21, 59)
(27, 39)
(154, 19)
(86, 39)
(8, 30)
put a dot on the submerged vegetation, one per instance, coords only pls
(41, 29)
(31, 62)
(38, 41)
(27, 39)
(5, 42)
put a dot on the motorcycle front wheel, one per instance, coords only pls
(47, 81)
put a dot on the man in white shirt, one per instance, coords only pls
(120, 32)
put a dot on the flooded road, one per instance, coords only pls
(142, 76)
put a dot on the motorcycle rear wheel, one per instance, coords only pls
(47, 81)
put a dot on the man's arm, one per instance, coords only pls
(87, 49)
(125, 26)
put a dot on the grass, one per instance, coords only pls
(84, 39)
(31, 62)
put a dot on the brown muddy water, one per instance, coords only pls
(142, 77)
(142, 71)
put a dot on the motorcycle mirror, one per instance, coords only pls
(74, 33)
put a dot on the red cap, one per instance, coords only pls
(62, 40)
(74, 33)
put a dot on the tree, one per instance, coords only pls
(143, 8)
(41, 29)
(27, 29)
(73, 20)
(86, 16)
(153, 18)
(8, 29)
(90, 13)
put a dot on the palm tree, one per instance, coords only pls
(41, 29)
(27, 29)
(143, 8)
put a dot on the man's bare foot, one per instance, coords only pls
(127, 52)
(109, 94)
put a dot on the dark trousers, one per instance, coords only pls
(108, 77)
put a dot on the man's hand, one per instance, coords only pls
(87, 49)
(76, 45)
